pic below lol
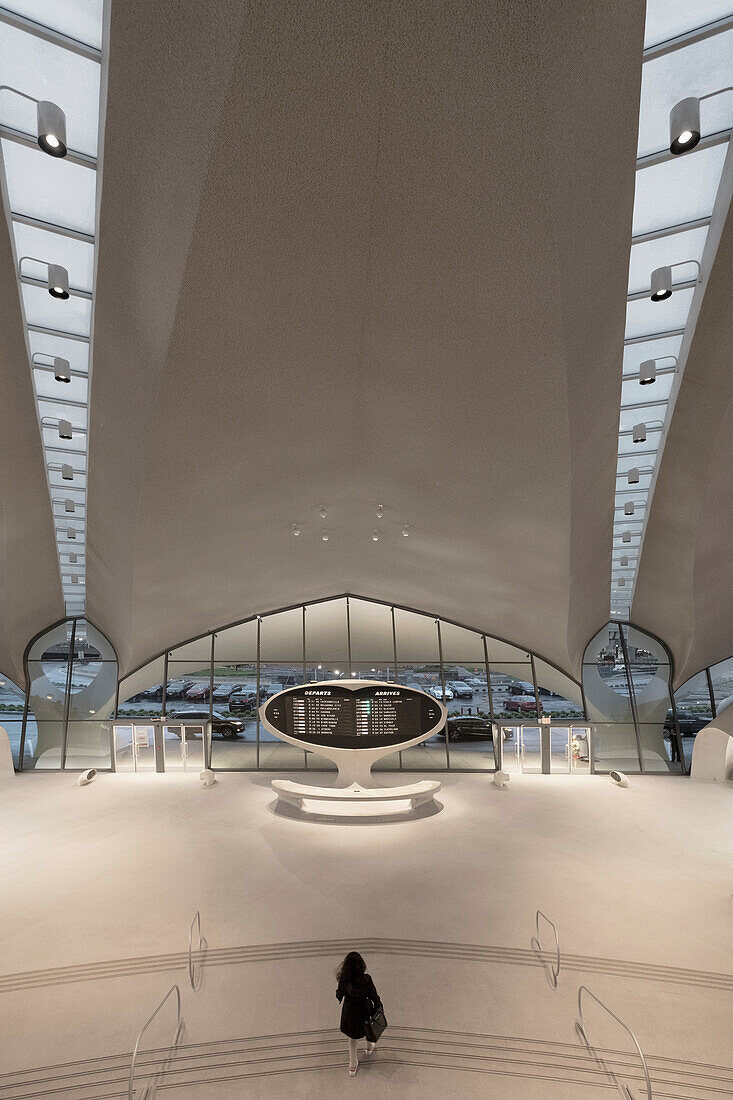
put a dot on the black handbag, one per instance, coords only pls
(375, 1024)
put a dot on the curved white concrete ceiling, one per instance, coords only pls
(352, 256)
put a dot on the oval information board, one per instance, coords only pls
(352, 715)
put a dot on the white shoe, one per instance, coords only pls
(370, 1050)
(352, 1072)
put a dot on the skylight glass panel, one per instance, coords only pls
(667, 19)
(635, 354)
(677, 190)
(696, 70)
(629, 417)
(47, 387)
(645, 316)
(76, 256)
(632, 391)
(79, 19)
(76, 351)
(662, 251)
(46, 71)
(49, 189)
(58, 410)
(72, 315)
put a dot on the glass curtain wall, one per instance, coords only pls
(72, 677)
(626, 679)
(12, 705)
(700, 699)
(481, 680)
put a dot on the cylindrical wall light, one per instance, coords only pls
(67, 472)
(69, 505)
(73, 559)
(622, 582)
(624, 561)
(648, 372)
(65, 429)
(70, 533)
(684, 126)
(50, 123)
(633, 476)
(638, 433)
(58, 277)
(661, 279)
(629, 508)
(626, 536)
(61, 367)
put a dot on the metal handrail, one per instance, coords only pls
(202, 945)
(146, 1025)
(581, 1027)
(552, 972)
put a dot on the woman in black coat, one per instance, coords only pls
(360, 1001)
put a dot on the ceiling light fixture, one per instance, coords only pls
(322, 511)
(67, 472)
(58, 277)
(626, 536)
(622, 582)
(375, 535)
(661, 279)
(406, 530)
(50, 123)
(624, 561)
(324, 535)
(629, 508)
(65, 429)
(69, 505)
(648, 369)
(296, 530)
(73, 558)
(70, 533)
(684, 122)
(638, 433)
(380, 511)
(61, 367)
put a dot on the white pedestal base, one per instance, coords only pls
(356, 802)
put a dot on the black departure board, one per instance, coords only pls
(352, 718)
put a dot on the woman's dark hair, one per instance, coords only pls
(352, 969)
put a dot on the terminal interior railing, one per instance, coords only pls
(552, 969)
(581, 1029)
(162, 1064)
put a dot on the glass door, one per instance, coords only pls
(530, 749)
(183, 746)
(559, 748)
(580, 749)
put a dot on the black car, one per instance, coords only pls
(246, 699)
(467, 727)
(689, 723)
(176, 688)
(225, 727)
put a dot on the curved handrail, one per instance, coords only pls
(581, 1024)
(146, 1025)
(552, 972)
(191, 967)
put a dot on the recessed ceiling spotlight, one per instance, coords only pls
(380, 511)
(296, 530)
(324, 535)
(49, 697)
(375, 535)
(320, 666)
(322, 511)
(406, 530)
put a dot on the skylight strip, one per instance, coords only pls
(50, 34)
(697, 184)
(698, 34)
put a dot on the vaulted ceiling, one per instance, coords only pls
(353, 255)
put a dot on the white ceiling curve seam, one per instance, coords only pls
(54, 53)
(688, 52)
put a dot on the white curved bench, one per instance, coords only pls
(355, 800)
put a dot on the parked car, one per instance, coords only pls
(176, 688)
(225, 727)
(223, 691)
(437, 692)
(689, 723)
(273, 690)
(518, 687)
(460, 689)
(466, 727)
(245, 698)
(155, 692)
(520, 703)
(474, 682)
(198, 691)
